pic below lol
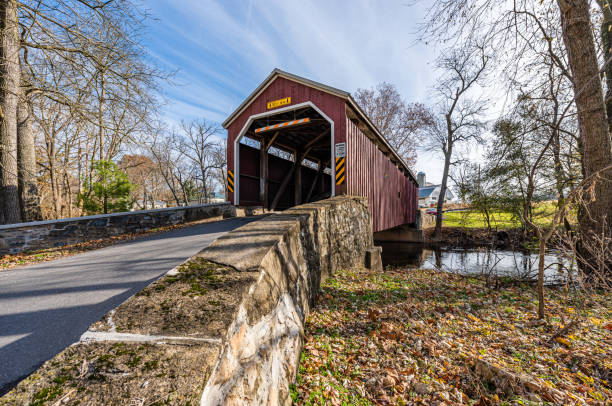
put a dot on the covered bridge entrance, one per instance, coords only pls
(295, 141)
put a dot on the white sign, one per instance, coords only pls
(341, 150)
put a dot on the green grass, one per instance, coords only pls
(543, 215)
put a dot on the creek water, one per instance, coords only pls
(478, 261)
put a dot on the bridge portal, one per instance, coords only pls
(295, 141)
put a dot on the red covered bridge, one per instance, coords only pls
(294, 141)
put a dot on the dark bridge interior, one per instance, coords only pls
(269, 176)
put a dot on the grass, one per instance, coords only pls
(424, 337)
(543, 215)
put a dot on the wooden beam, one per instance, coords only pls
(317, 138)
(283, 186)
(298, 181)
(331, 175)
(314, 182)
(293, 123)
(271, 141)
(299, 157)
(263, 173)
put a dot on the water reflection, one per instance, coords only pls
(477, 261)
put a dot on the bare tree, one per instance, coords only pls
(220, 172)
(606, 44)
(460, 114)
(396, 119)
(592, 116)
(520, 31)
(143, 174)
(200, 146)
(26, 161)
(167, 158)
(9, 100)
(84, 59)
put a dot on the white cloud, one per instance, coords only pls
(224, 49)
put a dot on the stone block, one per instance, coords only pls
(230, 212)
(404, 233)
(373, 259)
(98, 222)
(16, 242)
(119, 220)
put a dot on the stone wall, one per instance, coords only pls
(292, 252)
(15, 238)
(226, 327)
(427, 220)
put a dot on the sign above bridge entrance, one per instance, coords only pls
(280, 102)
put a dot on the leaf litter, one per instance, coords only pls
(423, 337)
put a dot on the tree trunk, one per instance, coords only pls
(558, 169)
(441, 196)
(185, 197)
(9, 91)
(592, 117)
(101, 115)
(541, 256)
(606, 41)
(55, 192)
(1, 195)
(28, 188)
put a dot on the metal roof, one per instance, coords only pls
(426, 191)
(328, 89)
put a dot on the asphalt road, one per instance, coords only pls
(46, 307)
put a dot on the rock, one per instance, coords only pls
(422, 388)
(444, 396)
(534, 398)
(506, 381)
(389, 381)
(418, 346)
(373, 259)
(458, 396)
(371, 385)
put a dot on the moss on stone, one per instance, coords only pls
(117, 373)
(199, 300)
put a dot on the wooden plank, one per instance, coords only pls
(271, 140)
(314, 182)
(283, 186)
(317, 138)
(263, 173)
(298, 180)
(283, 125)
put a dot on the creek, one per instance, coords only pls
(485, 261)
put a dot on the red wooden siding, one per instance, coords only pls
(392, 196)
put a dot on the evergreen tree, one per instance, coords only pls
(108, 191)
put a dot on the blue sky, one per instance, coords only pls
(222, 50)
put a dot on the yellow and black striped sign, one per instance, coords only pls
(230, 181)
(340, 174)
